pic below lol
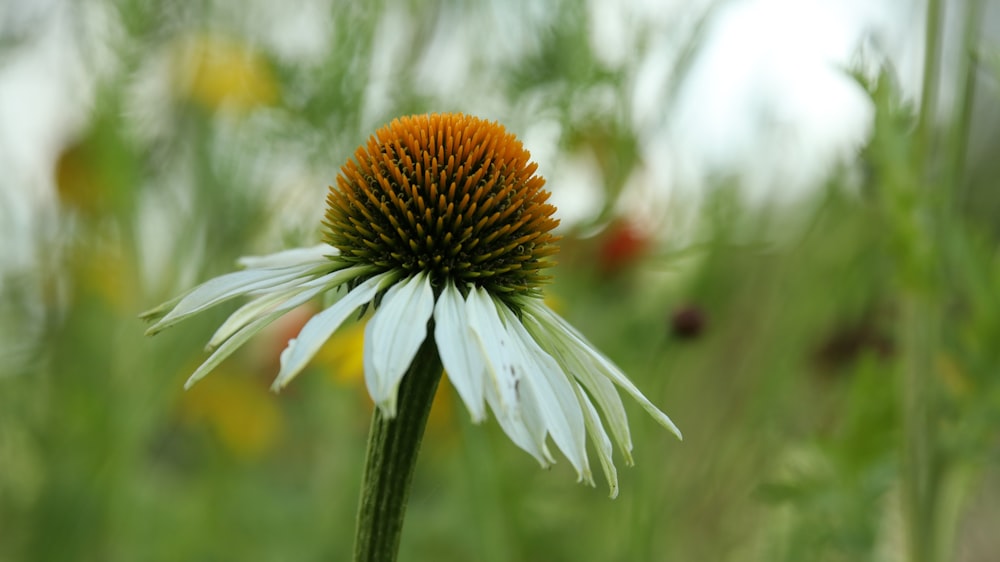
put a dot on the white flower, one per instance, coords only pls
(500, 344)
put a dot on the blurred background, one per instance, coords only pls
(780, 217)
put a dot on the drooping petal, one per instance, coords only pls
(574, 340)
(519, 420)
(281, 304)
(601, 389)
(393, 336)
(529, 414)
(495, 347)
(244, 315)
(320, 327)
(223, 288)
(284, 298)
(285, 258)
(558, 404)
(600, 440)
(507, 368)
(513, 425)
(228, 347)
(619, 378)
(459, 351)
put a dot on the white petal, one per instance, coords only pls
(529, 415)
(320, 327)
(285, 302)
(294, 295)
(459, 350)
(225, 287)
(228, 347)
(619, 378)
(295, 256)
(501, 382)
(513, 425)
(574, 339)
(245, 315)
(557, 401)
(587, 373)
(495, 346)
(393, 336)
(600, 440)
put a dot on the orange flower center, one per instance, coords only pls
(449, 194)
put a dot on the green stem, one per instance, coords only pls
(929, 88)
(968, 63)
(919, 458)
(919, 323)
(393, 445)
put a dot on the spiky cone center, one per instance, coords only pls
(448, 194)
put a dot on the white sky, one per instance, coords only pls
(766, 98)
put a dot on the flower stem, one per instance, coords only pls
(393, 445)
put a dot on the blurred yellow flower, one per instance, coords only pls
(441, 421)
(343, 359)
(79, 184)
(343, 355)
(238, 409)
(216, 72)
(105, 271)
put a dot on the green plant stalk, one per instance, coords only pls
(932, 505)
(919, 319)
(968, 63)
(393, 445)
(929, 87)
(919, 333)
(953, 478)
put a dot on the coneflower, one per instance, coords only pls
(440, 224)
